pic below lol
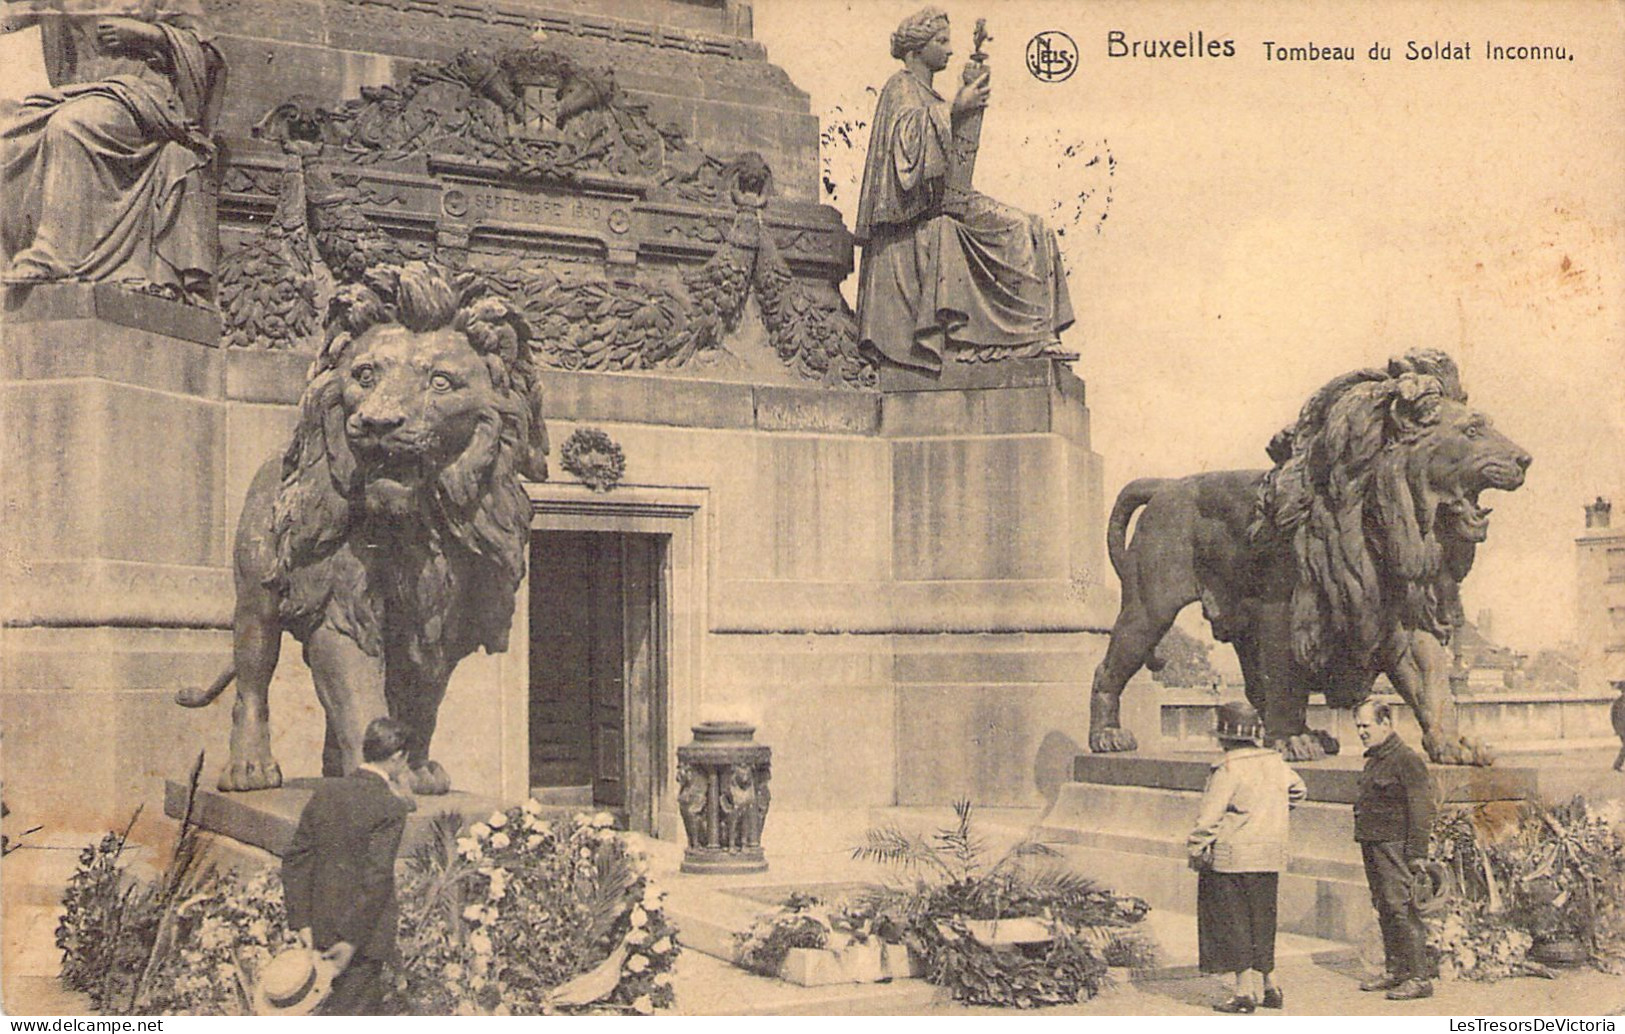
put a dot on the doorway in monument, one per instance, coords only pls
(598, 671)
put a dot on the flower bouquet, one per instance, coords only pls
(520, 915)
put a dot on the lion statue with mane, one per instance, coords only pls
(390, 538)
(1342, 562)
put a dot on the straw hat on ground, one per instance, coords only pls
(295, 982)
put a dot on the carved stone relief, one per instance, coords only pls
(482, 112)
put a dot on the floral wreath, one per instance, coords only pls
(593, 456)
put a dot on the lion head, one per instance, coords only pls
(421, 411)
(1379, 490)
(1456, 454)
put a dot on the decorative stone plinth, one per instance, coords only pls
(723, 797)
(266, 819)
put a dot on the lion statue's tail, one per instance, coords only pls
(192, 696)
(1134, 495)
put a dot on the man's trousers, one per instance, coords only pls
(1404, 941)
(357, 991)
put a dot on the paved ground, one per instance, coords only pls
(1328, 987)
(1331, 989)
(709, 987)
(1319, 979)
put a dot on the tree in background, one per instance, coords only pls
(1554, 670)
(1183, 660)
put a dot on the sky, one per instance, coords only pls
(1240, 230)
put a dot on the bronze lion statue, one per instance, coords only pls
(391, 537)
(1342, 562)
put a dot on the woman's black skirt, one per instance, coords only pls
(1235, 920)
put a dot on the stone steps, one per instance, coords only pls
(1132, 838)
(1125, 819)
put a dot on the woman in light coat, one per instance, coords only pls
(1239, 847)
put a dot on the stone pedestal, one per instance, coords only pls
(723, 798)
(115, 583)
(1124, 819)
(114, 461)
(266, 819)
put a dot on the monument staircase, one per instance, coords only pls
(1123, 820)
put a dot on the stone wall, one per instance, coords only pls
(115, 582)
(692, 62)
(901, 589)
(1182, 719)
(888, 655)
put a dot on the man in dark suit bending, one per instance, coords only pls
(339, 873)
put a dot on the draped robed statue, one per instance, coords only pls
(103, 174)
(946, 271)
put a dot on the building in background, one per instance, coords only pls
(1600, 595)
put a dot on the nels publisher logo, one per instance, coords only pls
(1052, 57)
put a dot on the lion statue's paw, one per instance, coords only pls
(1112, 741)
(429, 778)
(260, 772)
(1305, 746)
(1465, 750)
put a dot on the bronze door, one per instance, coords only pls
(596, 683)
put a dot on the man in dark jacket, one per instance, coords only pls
(1392, 819)
(339, 873)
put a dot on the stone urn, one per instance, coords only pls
(722, 777)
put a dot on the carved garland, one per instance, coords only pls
(267, 286)
(594, 458)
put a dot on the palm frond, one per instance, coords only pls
(604, 896)
(437, 851)
(442, 868)
(892, 846)
(1030, 848)
(961, 846)
(185, 863)
(1057, 881)
(1027, 847)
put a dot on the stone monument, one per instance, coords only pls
(947, 272)
(107, 176)
(774, 531)
(113, 383)
(1342, 562)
